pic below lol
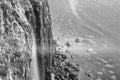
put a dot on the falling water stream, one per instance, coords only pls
(34, 62)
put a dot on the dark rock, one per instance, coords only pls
(77, 40)
(72, 76)
(3, 71)
(64, 56)
(65, 71)
(67, 44)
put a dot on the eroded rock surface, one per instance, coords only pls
(21, 23)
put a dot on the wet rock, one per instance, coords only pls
(65, 71)
(21, 21)
(64, 56)
(72, 76)
(67, 44)
(3, 72)
(77, 40)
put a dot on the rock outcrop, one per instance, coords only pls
(25, 33)
(63, 68)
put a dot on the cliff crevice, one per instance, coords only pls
(25, 24)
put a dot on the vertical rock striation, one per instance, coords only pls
(25, 40)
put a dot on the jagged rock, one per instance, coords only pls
(62, 69)
(24, 23)
(77, 40)
(67, 44)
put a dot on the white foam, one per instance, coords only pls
(73, 5)
(100, 73)
(109, 66)
(111, 72)
(113, 77)
(103, 60)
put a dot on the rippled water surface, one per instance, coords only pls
(96, 24)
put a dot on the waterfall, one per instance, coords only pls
(34, 62)
(27, 43)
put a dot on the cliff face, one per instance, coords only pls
(25, 40)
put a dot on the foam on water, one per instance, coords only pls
(109, 66)
(113, 77)
(73, 5)
(111, 72)
(100, 73)
(103, 60)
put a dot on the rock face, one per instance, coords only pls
(63, 68)
(25, 39)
